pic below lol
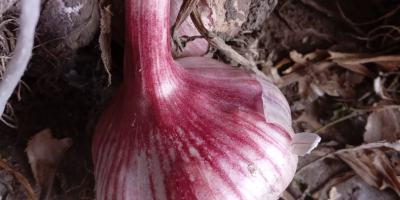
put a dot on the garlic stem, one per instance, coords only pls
(147, 38)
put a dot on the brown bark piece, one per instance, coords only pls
(105, 37)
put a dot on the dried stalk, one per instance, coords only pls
(30, 10)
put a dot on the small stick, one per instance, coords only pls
(186, 8)
(220, 44)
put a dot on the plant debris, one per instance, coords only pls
(45, 154)
(20, 178)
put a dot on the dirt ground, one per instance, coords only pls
(66, 89)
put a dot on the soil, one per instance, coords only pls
(69, 97)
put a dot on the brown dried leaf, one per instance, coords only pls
(105, 38)
(389, 65)
(340, 55)
(331, 86)
(350, 78)
(350, 61)
(334, 86)
(316, 169)
(358, 68)
(372, 165)
(364, 59)
(356, 189)
(327, 188)
(302, 73)
(382, 145)
(383, 125)
(325, 172)
(20, 178)
(44, 154)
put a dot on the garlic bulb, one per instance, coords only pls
(191, 128)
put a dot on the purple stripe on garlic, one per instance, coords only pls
(191, 128)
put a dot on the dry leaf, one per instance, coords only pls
(20, 178)
(316, 169)
(372, 165)
(356, 189)
(325, 173)
(303, 73)
(363, 60)
(358, 68)
(44, 155)
(351, 78)
(332, 85)
(321, 152)
(389, 65)
(391, 145)
(320, 60)
(340, 55)
(105, 38)
(329, 188)
(383, 125)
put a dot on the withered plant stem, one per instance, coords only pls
(30, 10)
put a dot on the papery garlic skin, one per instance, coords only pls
(191, 128)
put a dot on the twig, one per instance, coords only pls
(30, 10)
(5, 117)
(379, 108)
(338, 120)
(218, 43)
(52, 40)
(369, 22)
(186, 8)
(357, 112)
(352, 61)
(6, 123)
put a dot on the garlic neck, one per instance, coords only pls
(147, 48)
